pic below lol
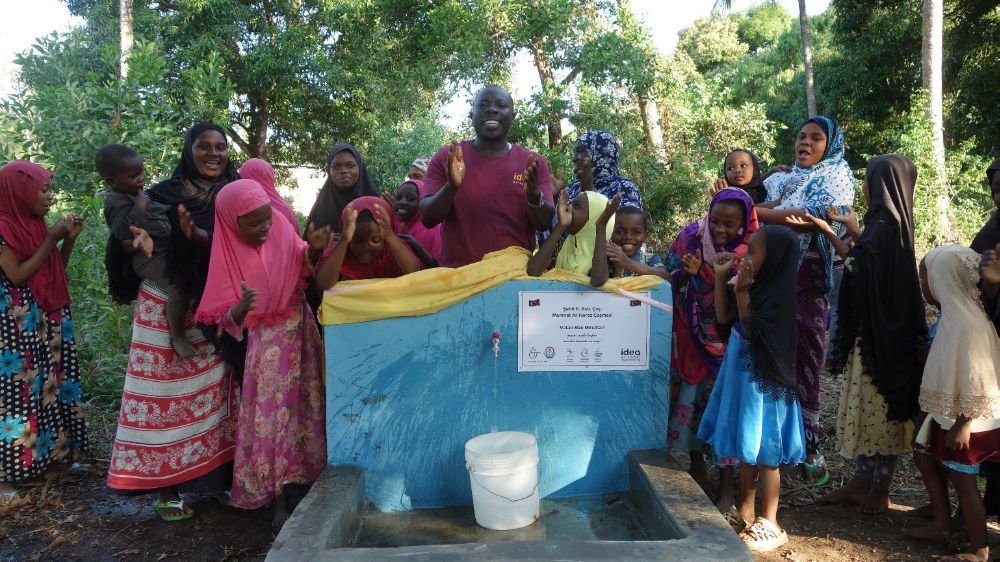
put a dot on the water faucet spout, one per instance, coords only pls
(496, 344)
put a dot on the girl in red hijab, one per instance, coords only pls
(41, 415)
(368, 247)
(256, 278)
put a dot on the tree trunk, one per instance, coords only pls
(257, 133)
(127, 40)
(553, 122)
(807, 58)
(651, 124)
(932, 57)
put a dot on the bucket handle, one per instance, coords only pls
(472, 474)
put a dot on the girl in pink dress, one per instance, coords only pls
(256, 278)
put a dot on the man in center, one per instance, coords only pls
(487, 193)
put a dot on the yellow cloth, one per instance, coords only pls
(863, 426)
(577, 251)
(430, 290)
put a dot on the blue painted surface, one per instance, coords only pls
(405, 394)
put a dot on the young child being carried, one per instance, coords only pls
(753, 416)
(368, 247)
(588, 221)
(625, 248)
(126, 205)
(699, 340)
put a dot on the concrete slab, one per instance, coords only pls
(668, 501)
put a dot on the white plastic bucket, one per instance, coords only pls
(503, 470)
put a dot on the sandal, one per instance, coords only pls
(763, 536)
(161, 508)
(811, 468)
(735, 520)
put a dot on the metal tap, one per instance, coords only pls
(496, 344)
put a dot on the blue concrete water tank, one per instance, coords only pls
(404, 395)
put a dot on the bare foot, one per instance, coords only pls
(928, 533)
(923, 512)
(980, 555)
(877, 500)
(182, 347)
(855, 491)
(8, 494)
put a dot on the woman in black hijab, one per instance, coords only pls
(190, 193)
(989, 236)
(346, 180)
(881, 313)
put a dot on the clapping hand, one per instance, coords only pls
(609, 211)
(318, 239)
(531, 192)
(75, 223)
(384, 222)
(692, 262)
(456, 165)
(564, 210)
(350, 223)
(718, 185)
(723, 263)
(848, 219)
(141, 240)
(617, 256)
(745, 277)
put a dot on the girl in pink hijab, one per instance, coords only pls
(261, 172)
(256, 278)
(407, 209)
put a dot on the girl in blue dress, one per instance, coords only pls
(753, 417)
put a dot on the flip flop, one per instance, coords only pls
(161, 508)
(811, 468)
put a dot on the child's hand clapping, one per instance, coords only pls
(718, 185)
(692, 262)
(350, 222)
(141, 240)
(383, 222)
(745, 277)
(609, 211)
(989, 266)
(318, 239)
(75, 225)
(617, 255)
(723, 263)
(564, 211)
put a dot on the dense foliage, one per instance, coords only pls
(289, 78)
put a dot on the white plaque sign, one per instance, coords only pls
(582, 331)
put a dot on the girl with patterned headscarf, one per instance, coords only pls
(596, 157)
(699, 342)
(819, 180)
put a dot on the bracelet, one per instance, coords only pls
(541, 202)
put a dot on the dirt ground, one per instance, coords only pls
(75, 518)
